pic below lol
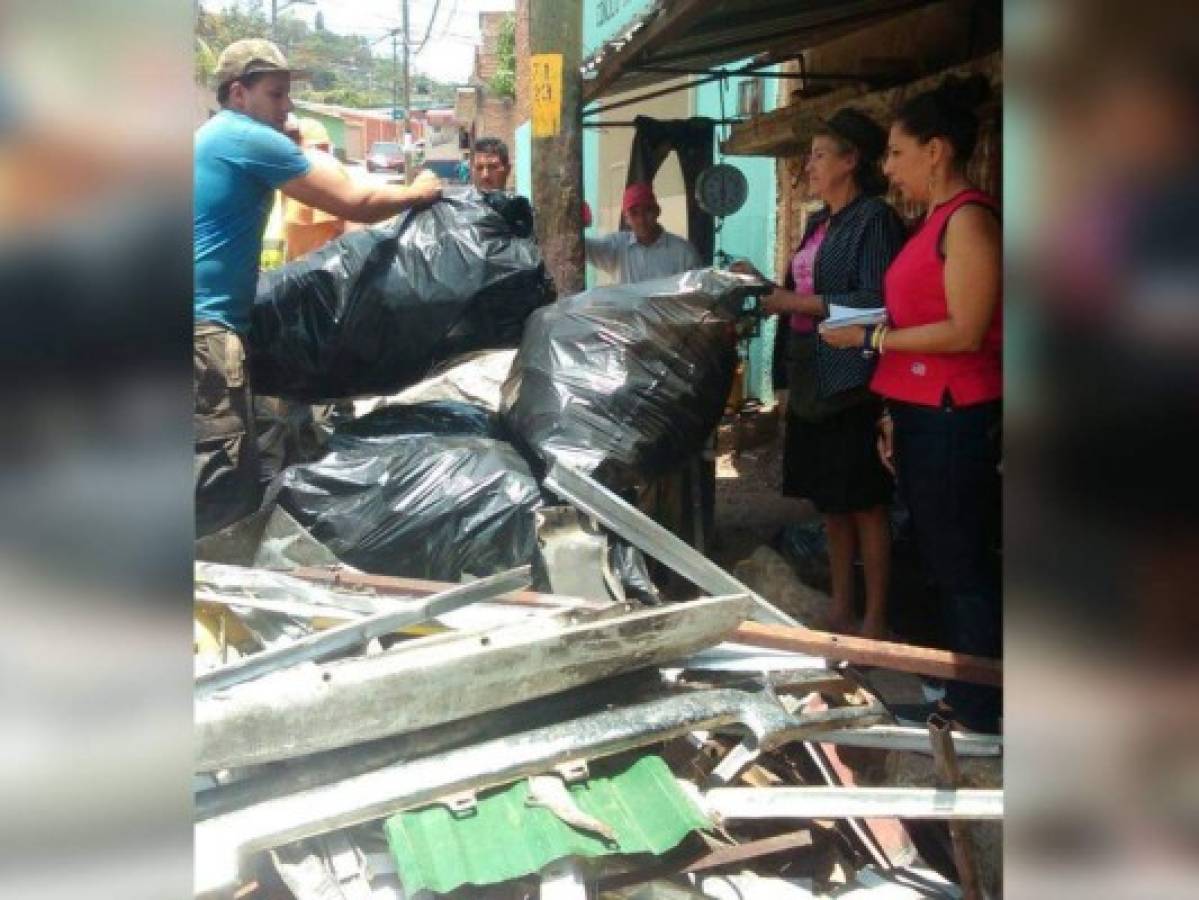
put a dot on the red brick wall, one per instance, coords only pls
(486, 60)
(522, 112)
(498, 119)
(375, 129)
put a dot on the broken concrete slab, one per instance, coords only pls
(433, 680)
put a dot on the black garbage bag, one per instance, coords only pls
(437, 417)
(288, 433)
(374, 310)
(424, 506)
(632, 568)
(805, 546)
(627, 381)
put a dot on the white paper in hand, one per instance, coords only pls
(843, 316)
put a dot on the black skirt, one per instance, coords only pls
(834, 462)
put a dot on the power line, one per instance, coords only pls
(429, 30)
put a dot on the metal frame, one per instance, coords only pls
(689, 33)
(221, 841)
(214, 799)
(850, 802)
(356, 633)
(899, 737)
(749, 69)
(646, 534)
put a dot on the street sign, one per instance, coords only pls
(547, 94)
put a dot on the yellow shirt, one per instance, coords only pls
(307, 228)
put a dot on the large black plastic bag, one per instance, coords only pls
(423, 506)
(626, 382)
(288, 433)
(374, 310)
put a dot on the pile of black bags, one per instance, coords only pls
(375, 310)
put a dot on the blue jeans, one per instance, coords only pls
(947, 466)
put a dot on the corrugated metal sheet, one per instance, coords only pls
(505, 839)
(734, 30)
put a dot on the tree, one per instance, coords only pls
(319, 22)
(343, 69)
(503, 82)
(205, 61)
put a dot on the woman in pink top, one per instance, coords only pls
(940, 372)
(829, 455)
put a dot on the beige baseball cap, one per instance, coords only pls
(248, 56)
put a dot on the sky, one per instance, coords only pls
(449, 54)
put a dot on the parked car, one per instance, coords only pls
(385, 156)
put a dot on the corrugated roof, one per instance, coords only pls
(701, 34)
(505, 839)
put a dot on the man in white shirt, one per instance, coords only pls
(647, 250)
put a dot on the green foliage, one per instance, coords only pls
(503, 82)
(205, 61)
(348, 97)
(342, 68)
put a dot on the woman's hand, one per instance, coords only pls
(886, 443)
(777, 301)
(843, 338)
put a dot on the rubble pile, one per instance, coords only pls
(485, 696)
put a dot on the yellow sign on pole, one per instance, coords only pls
(547, 94)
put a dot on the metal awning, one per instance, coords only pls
(675, 38)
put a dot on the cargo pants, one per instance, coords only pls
(228, 484)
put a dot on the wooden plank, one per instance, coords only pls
(675, 862)
(781, 131)
(727, 856)
(441, 679)
(866, 652)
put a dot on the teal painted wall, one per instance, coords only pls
(750, 232)
(524, 161)
(591, 190)
(602, 21)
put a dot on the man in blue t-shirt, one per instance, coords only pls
(241, 157)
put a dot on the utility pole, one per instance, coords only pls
(407, 99)
(394, 78)
(276, 6)
(555, 44)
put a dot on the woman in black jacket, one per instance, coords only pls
(830, 455)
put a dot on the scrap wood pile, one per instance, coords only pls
(434, 662)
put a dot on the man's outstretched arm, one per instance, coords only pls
(325, 188)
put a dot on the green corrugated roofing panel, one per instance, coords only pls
(504, 838)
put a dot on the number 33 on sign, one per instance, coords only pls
(546, 94)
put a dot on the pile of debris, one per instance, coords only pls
(385, 709)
